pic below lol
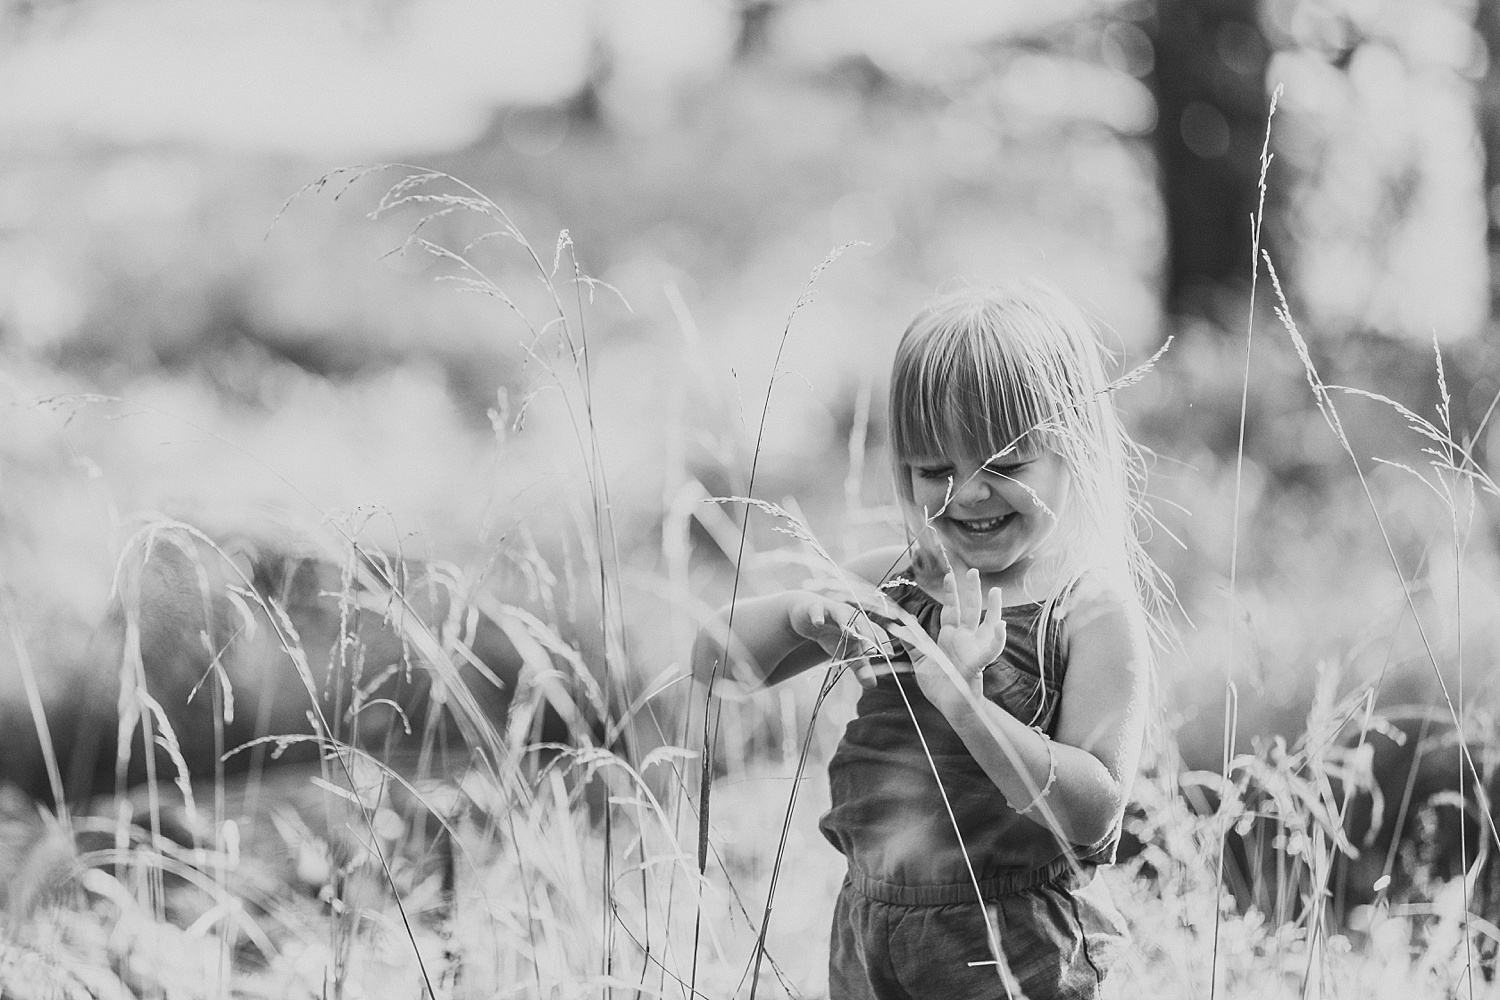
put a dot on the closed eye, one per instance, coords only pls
(1006, 470)
(935, 472)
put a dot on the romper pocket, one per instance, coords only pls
(1105, 933)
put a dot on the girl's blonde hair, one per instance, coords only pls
(1009, 371)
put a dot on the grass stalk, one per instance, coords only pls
(38, 712)
(1257, 221)
(710, 728)
(1322, 393)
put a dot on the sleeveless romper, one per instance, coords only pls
(908, 922)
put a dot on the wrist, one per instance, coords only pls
(953, 703)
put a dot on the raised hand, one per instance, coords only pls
(972, 636)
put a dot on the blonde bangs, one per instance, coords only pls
(1011, 372)
(960, 384)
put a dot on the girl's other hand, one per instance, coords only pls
(972, 635)
(842, 630)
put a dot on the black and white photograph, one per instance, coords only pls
(735, 499)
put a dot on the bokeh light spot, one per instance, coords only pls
(534, 131)
(1126, 48)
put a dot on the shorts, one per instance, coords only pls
(1059, 937)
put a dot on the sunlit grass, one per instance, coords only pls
(503, 868)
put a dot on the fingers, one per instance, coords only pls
(966, 603)
(873, 635)
(913, 641)
(962, 603)
(809, 617)
(844, 631)
(952, 612)
(823, 617)
(869, 646)
(973, 600)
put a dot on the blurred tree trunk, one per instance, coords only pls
(1487, 24)
(755, 27)
(1209, 80)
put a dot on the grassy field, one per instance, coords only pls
(495, 867)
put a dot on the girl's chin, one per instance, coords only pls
(987, 552)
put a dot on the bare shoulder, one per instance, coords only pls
(1108, 680)
(1101, 612)
(878, 565)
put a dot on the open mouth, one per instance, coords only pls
(982, 526)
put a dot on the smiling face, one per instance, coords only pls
(996, 517)
(1002, 392)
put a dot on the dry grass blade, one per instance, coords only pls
(1330, 413)
(342, 179)
(789, 524)
(134, 697)
(710, 719)
(1257, 221)
(38, 711)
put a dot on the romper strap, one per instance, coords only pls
(1064, 872)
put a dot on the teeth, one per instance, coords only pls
(988, 525)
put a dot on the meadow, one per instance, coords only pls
(1343, 572)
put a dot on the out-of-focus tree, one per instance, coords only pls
(1487, 27)
(1378, 199)
(1209, 73)
(754, 26)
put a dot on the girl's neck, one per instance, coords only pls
(1033, 582)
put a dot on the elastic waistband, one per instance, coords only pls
(1064, 872)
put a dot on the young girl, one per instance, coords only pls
(1005, 664)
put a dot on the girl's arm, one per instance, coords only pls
(780, 635)
(768, 643)
(1100, 726)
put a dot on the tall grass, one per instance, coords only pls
(504, 866)
(1231, 695)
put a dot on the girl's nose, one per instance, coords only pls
(975, 489)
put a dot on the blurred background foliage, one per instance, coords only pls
(176, 337)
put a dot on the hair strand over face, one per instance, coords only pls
(995, 372)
